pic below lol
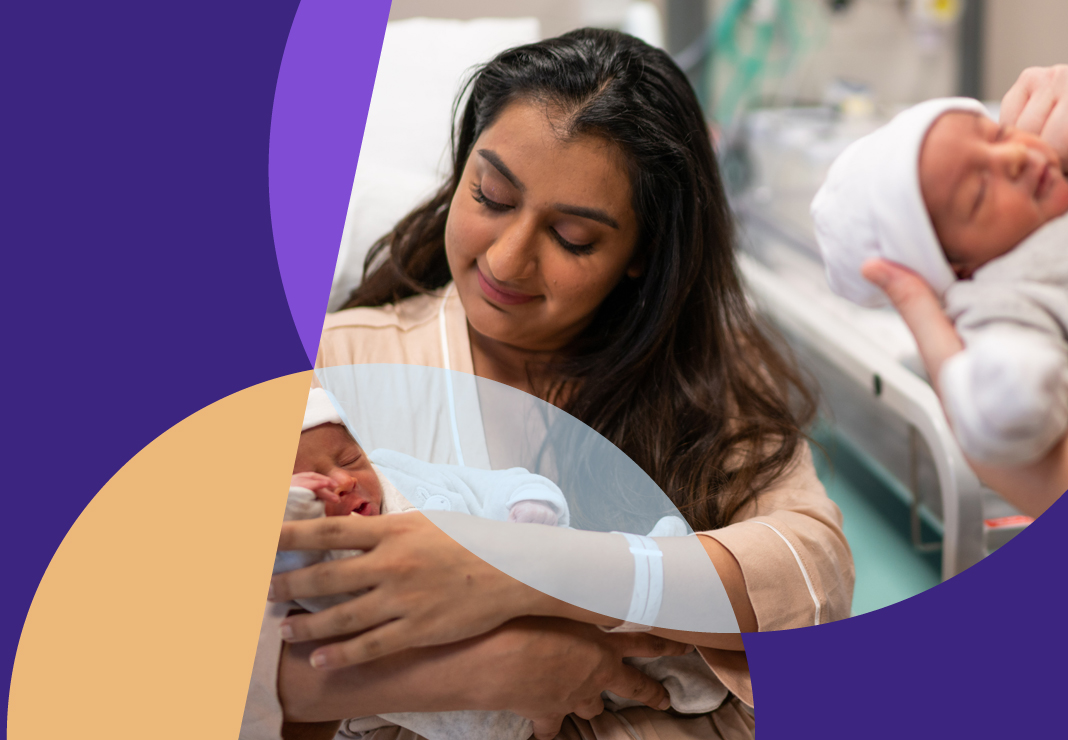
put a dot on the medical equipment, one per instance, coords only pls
(874, 388)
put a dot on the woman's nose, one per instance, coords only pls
(512, 256)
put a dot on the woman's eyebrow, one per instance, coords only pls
(593, 214)
(493, 158)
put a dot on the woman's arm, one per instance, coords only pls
(730, 574)
(1031, 488)
(539, 668)
(428, 589)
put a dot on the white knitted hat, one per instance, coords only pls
(320, 410)
(871, 205)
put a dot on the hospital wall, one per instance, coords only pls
(556, 16)
(1020, 34)
(875, 42)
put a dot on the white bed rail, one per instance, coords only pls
(903, 393)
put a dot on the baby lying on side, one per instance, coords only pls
(977, 210)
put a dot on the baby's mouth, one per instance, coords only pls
(366, 508)
(352, 503)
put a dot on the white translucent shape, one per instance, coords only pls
(630, 556)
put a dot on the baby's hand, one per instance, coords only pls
(533, 512)
(324, 488)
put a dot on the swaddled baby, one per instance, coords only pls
(332, 476)
(977, 210)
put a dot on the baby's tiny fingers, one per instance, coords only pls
(327, 494)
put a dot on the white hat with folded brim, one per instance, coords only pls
(871, 205)
(320, 410)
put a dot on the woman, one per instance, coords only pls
(582, 251)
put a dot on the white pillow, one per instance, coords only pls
(404, 156)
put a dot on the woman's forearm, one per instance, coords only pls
(730, 574)
(538, 668)
(1030, 488)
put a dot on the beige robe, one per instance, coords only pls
(789, 543)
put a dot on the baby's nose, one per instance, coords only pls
(1013, 157)
(344, 481)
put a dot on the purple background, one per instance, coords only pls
(320, 106)
(141, 284)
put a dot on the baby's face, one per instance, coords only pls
(987, 187)
(329, 450)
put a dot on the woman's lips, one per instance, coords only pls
(498, 294)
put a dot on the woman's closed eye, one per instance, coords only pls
(578, 249)
(480, 197)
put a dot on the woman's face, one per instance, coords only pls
(540, 230)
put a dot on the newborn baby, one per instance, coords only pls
(332, 476)
(977, 210)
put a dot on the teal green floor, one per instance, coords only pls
(876, 524)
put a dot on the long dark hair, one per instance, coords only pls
(689, 383)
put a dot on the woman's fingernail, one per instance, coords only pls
(318, 660)
(664, 704)
(287, 632)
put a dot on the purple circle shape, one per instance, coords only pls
(320, 108)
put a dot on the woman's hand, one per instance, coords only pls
(1031, 488)
(425, 588)
(540, 668)
(921, 310)
(1038, 103)
(549, 668)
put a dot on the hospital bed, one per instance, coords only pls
(874, 391)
